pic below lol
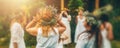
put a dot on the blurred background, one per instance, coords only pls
(30, 7)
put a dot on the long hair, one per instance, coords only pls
(94, 23)
(47, 19)
(104, 18)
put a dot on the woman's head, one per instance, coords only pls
(47, 16)
(65, 12)
(65, 9)
(80, 10)
(91, 23)
(104, 18)
(17, 16)
(47, 19)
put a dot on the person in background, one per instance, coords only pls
(106, 31)
(80, 23)
(66, 18)
(86, 39)
(17, 30)
(44, 28)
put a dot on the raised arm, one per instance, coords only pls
(62, 27)
(31, 29)
(68, 16)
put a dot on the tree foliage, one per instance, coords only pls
(74, 4)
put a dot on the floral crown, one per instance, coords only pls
(65, 9)
(79, 8)
(92, 21)
(48, 16)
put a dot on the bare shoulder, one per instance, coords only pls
(109, 25)
(101, 27)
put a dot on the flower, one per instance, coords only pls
(93, 21)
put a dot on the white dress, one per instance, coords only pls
(67, 32)
(79, 28)
(105, 41)
(60, 44)
(47, 42)
(84, 41)
(17, 35)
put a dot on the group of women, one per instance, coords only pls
(52, 29)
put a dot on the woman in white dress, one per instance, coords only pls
(106, 31)
(80, 21)
(65, 18)
(45, 31)
(17, 32)
(86, 39)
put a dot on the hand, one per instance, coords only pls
(62, 12)
(66, 13)
(35, 19)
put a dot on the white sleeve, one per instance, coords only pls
(15, 32)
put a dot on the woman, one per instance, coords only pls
(106, 31)
(80, 21)
(86, 39)
(17, 31)
(65, 18)
(45, 30)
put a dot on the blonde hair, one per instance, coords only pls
(80, 8)
(17, 17)
(47, 19)
(65, 9)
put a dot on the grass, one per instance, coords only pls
(115, 44)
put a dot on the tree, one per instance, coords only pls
(74, 4)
